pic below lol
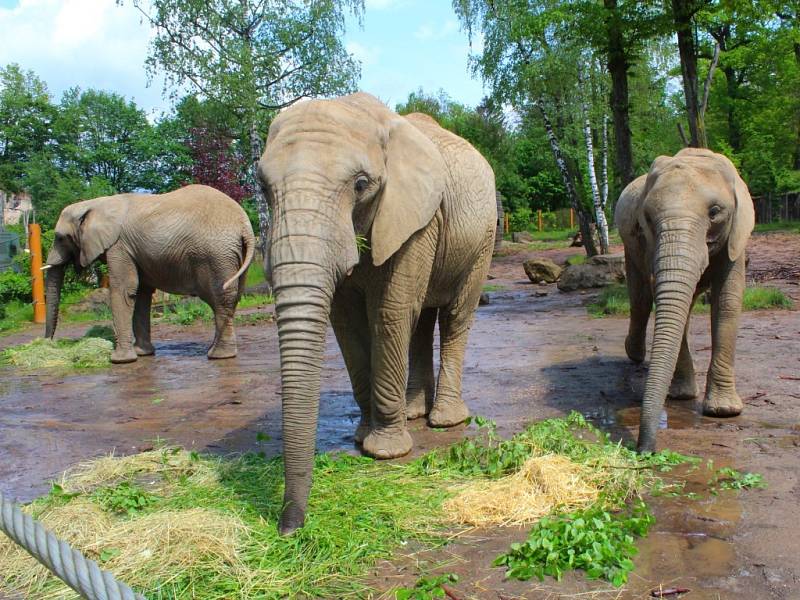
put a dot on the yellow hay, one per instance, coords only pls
(543, 483)
(108, 470)
(156, 547)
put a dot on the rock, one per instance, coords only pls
(541, 270)
(95, 300)
(521, 237)
(484, 300)
(598, 271)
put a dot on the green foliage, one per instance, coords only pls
(362, 244)
(594, 540)
(520, 219)
(101, 331)
(427, 588)
(14, 287)
(765, 298)
(728, 478)
(576, 259)
(124, 498)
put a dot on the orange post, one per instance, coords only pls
(505, 223)
(571, 218)
(37, 275)
(541, 228)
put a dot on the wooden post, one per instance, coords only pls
(505, 224)
(37, 275)
(540, 220)
(571, 218)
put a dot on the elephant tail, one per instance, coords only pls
(249, 243)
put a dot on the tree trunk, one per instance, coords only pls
(261, 201)
(701, 117)
(682, 15)
(586, 234)
(618, 65)
(599, 214)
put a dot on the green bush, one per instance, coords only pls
(520, 219)
(14, 286)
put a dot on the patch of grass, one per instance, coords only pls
(15, 315)
(427, 588)
(493, 287)
(191, 310)
(101, 331)
(255, 273)
(576, 259)
(124, 498)
(613, 301)
(789, 226)
(256, 300)
(84, 353)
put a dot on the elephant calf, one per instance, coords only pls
(194, 241)
(385, 223)
(685, 226)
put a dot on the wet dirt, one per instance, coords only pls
(533, 353)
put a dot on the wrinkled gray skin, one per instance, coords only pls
(425, 200)
(685, 226)
(194, 241)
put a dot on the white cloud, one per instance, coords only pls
(429, 32)
(366, 55)
(85, 43)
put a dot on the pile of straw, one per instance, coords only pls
(543, 483)
(74, 354)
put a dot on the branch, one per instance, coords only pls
(707, 85)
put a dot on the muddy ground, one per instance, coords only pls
(533, 353)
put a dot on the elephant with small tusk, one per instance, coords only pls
(194, 241)
(685, 226)
(382, 224)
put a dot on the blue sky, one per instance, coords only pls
(403, 45)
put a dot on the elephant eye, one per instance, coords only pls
(361, 184)
(714, 211)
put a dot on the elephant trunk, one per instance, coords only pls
(55, 280)
(303, 287)
(679, 262)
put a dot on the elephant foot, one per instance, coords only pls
(719, 403)
(635, 349)
(144, 349)
(219, 351)
(362, 431)
(292, 519)
(416, 404)
(388, 443)
(683, 388)
(121, 356)
(448, 413)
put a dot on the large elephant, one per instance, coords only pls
(195, 241)
(383, 223)
(685, 226)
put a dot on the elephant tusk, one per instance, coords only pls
(45, 267)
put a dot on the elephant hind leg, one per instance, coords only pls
(421, 382)
(640, 294)
(141, 322)
(224, 307)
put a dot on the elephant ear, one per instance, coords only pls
(415, 182)
(100, 226)
(744, 219)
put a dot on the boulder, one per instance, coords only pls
(93, 301)
(541, 270)
(598, 271)
(521, 237)
(484, 299)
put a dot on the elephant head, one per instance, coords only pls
(333, 170)
(84, 231)
(694, 209)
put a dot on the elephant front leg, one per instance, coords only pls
(727, 290)
(421, 383)
(124, 283)
(388, 436)
(640, 294)
(141, 322)
(349, 322)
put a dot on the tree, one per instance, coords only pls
(26, 115)
(252, 57)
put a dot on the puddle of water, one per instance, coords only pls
(672, 417)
